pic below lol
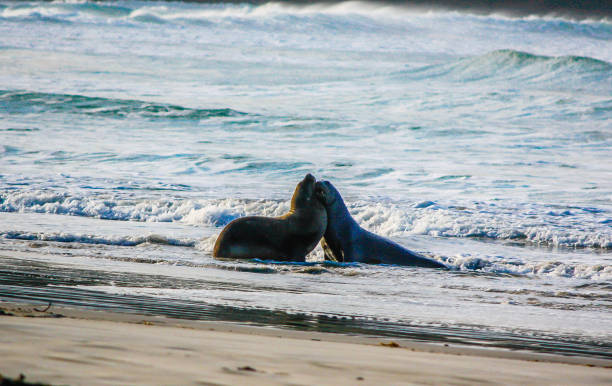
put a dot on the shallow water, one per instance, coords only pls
(132, 132)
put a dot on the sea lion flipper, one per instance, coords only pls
(327, 251)
(331, 253)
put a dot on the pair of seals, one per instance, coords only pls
(346, 241)
(288, 237)
(317, 210)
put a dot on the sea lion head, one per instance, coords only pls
(304, 192)
(326, 193)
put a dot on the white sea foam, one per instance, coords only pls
(468, 262)
(462, 262)
(368, 9)
(65, 237)
(476, 140)
(573, 228)
(343, 17)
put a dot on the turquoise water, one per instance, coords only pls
(132, 132)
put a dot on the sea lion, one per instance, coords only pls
(346, 241)
(289, 237)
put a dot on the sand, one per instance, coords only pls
(91, 347)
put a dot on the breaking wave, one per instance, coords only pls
(315, 264)
(124, 241)
(467, 262)
(36, 102)
(570, 227)
(156, 10)
(517, 66)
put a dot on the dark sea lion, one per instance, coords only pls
(289, 237)
(346, 241)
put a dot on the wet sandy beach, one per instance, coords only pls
(70, 346)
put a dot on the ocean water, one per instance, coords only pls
(132, 132)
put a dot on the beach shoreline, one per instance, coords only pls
(134, 132)
(63, 345)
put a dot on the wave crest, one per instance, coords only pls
(518, 66)
(467, 262)
(572, 227)
(27, 101)
(124, 241)
(315, 264)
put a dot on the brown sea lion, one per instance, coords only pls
(346, 241)
(289, 237)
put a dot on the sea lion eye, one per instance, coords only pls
(320, 192)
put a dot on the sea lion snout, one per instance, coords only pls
(324, 193)
(307, 186)
(309, 178)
